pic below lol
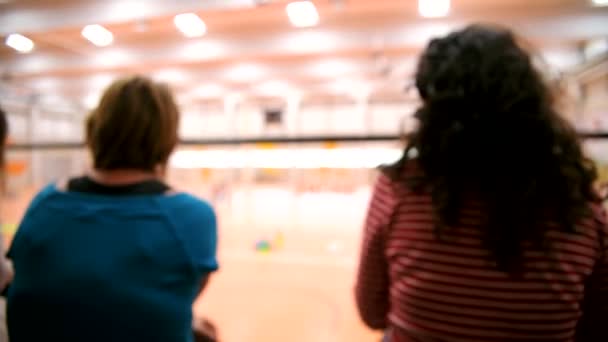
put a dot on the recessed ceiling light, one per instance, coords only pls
(600, 2)
(190, 25)
(302, 13)
(98, 35)
(433, 8)
(20, 43)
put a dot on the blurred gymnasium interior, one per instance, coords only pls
(288, 107)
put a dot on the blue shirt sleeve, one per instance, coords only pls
(196, 225)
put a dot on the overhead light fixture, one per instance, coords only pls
(600, 3)
(434, 8)
(98, 35)
(20, 43)
(190, 25)
(302, 13)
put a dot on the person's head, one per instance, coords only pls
(134, 127)
(488, 126)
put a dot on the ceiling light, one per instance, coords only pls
(434, 8)
(190, 25)
(98, 35)
(302, 14)
(600, 2)
(20, 43)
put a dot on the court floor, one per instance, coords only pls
(283, 298)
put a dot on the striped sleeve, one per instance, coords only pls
(372, 287)
(595, 308)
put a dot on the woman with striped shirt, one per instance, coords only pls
(488, 228)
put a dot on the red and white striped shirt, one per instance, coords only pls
(423, 289)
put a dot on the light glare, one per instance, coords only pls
(305, 158)
(190, 25)
(20, 43)
(98, 35)
(302, 14)
(433, 8)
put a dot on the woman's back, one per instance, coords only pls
(109, 267)
(451, 289)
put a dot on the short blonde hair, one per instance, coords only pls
(134, 126)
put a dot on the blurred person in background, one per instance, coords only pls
(488, 228)
(115, 255)
(6, 270)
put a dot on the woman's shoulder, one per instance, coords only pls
(186, 199)
(43, 195)
(182, 204)
(403, 172)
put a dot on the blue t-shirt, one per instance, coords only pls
(91, 267)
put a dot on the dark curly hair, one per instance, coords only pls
(487, 127)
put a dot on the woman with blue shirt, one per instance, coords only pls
(115, 255)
